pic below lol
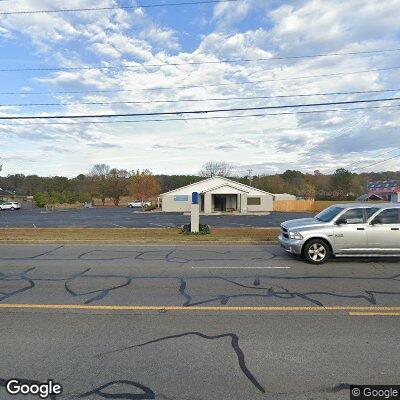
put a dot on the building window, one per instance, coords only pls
(254, 201)
(181, 197)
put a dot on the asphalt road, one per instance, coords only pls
(128, 218)
(195, 322)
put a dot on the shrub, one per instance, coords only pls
(85, 197)
(150, 208)
(40, 199)
(204, 229)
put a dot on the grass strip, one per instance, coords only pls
(136, 235)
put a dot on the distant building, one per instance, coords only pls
(6, 194)
(218, 194)
(387, 190)
(284, 196)
(370, 197)
(9, 195)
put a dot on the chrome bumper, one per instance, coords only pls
(293, 246)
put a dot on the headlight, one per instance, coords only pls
(295, 235)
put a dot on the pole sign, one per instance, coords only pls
(195, 198)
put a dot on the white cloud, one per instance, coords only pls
(333, 24)
(267, 144)
(227, 14)
(161, 38)
(250, 44)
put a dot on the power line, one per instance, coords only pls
(378, 162)
(379, 155)
(195, 111)
(332, 74)
(229, 61)
(207, 85)
(344, 130)
(205, 118)
(117, 7)
(195, 100)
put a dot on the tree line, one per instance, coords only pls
(104, 182)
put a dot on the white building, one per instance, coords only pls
(218, 194)
(284, 196)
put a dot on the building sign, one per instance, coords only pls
(182, 197)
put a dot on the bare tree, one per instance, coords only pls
(100, 170)
(216, 168)
(98, 179)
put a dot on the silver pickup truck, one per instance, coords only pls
(363, 230)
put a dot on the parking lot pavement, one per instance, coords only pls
(195, 322)
(128, 218)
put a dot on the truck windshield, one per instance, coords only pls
(328, 214)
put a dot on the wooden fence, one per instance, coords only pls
(304, 205)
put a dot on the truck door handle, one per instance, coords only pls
(361, 229)
(394, 229)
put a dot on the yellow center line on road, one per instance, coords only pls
(350, 309)
(375, 313)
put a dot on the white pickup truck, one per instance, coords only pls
(355, 229)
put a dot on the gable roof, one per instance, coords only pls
(369, 196)
(4, 192)
(229, 181)
(224, 185)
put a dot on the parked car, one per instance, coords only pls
(137, 203)
(10, 205)
(356, 230)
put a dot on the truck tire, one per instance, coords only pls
(316, 251)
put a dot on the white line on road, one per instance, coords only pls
(247, 226)
(166, 225)
(118, 226)
(241, 267)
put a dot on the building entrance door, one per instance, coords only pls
(219, 202)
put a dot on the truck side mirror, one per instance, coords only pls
(341, 221)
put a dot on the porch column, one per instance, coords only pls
(243, 203)
(207, 203)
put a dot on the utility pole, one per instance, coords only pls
(249, 176)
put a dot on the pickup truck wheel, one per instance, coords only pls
(316, 251)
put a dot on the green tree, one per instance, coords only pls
(40, 199)
(117, 184)
(341, 182)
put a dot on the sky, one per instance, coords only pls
(38, 54)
